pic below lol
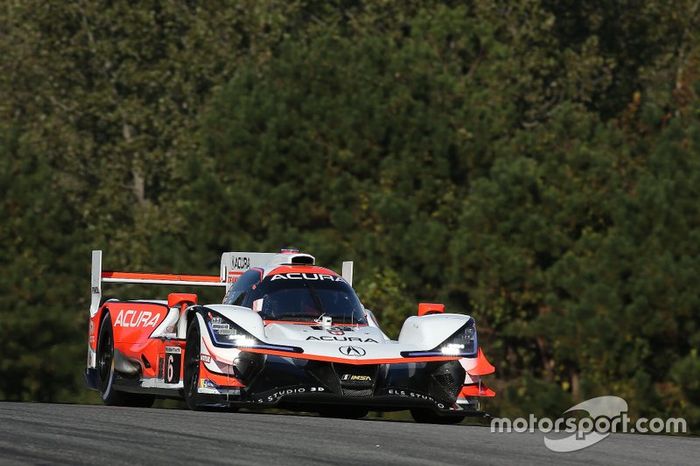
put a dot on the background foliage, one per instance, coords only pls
(535, 164)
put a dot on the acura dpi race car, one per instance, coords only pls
(288, 334)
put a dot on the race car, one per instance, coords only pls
(287, 334)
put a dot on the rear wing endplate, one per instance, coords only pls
(347, 271)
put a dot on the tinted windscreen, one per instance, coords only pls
(300, 299)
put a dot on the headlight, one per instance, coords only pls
(462, 343)
(226, 333)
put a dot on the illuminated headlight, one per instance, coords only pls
(452, 349)
(462, 343)
(226, 333)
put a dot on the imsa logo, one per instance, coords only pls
(356, 378)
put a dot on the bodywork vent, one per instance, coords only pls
(447, 380)
(303, 259)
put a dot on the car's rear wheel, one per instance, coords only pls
(343, 412)
(427, 416)
(192, 361)
(106, 373)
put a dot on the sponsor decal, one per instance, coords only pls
(240, 262)
(131, 318)
(336, 331)
(352, 351)
(173, 349)
(412, 394)
(206, 383)
(344, 329)
(274, 396)
(92, 338)
(208, 387)
(306, 276)
(356, 378)
(205, 357)
(343, 338)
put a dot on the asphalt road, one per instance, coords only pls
(33, 433)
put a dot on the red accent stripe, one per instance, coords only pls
(161, 276)
(355, 362)
(475, 390)
(221, 380)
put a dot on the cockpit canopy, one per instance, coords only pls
(297, 297)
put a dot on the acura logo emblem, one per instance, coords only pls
(353, 351)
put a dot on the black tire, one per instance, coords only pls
(192, 360)
(106, 374)
(344, 412)
(427, 416)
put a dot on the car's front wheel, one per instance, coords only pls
(192, 360)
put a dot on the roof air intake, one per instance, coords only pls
(302, 259)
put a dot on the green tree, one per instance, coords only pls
(43, 280)
(532, 163)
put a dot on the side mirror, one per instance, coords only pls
(181, 299)
(430, 308)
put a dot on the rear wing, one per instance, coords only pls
(233, 265)
(99, 276)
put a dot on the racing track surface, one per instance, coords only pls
(74, 434)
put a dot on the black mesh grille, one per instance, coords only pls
(323, 373)
(357, 393)
(448, 383)
(447, 380)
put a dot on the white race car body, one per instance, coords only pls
(289, 334)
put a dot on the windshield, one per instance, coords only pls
(305, 300)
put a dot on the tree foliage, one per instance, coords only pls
(535, 164)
